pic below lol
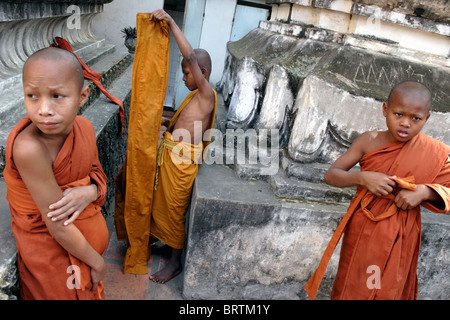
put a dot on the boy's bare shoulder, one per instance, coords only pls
(27, 147)
(366, 137)
(369, 140)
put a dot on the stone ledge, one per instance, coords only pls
(296, 189)
(428, 15)
(104, 116)
(11, 10)
(8, 271)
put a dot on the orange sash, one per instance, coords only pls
(91, 75)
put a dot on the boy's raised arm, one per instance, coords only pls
(186, 50)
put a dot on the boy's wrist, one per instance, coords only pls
(95, 192)
(99, 263)
(426, 193)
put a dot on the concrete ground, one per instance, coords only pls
(120, 286)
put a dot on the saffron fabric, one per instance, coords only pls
(134, 182)
(378, 235)
(177, 169)
(46, 270)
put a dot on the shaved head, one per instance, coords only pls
(203, 59)
(58, 54)
(411, 90)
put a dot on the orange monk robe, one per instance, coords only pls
(134, 183)
(381, 239)
(178, 164)
(46, 270)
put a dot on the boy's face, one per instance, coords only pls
(405, 117)
(52, 95)
(188, 78)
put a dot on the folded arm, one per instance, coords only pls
(338, 174)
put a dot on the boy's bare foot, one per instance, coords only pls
(170, 271)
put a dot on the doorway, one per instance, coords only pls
(176, 10)
(247, 17)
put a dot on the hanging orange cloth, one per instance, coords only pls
(378, 236)
(134, 183)
(91, 75)
(44, 266)
(177, 168)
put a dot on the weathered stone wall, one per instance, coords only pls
(402, 24)
(328, 91)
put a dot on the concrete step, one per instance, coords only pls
(295, 189)
(291, 180)
(104, 116)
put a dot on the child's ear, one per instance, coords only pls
(84, 95)
(204, 72)
(385, 107)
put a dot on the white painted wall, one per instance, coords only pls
(118, 15)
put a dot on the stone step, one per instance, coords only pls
(104, 116)
(312, 172)
(257, 239)
(110, 67)
(295, 189)
(291, 180)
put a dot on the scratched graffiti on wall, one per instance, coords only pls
(388, 76)
(381, 76)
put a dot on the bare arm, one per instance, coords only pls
(35, 168)
(186, 50)
(339, 175)
(75, 200)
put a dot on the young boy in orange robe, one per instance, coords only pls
(400, 169)
(56, 185)
(185, 132)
